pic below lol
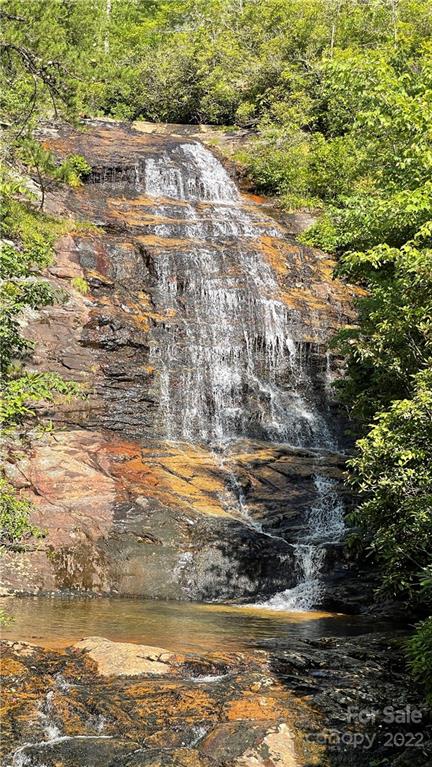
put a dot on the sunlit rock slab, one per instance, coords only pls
(125, 658)
(158, 520)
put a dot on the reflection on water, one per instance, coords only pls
(181, 626)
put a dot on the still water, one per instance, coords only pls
(180, 626)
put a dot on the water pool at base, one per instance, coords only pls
(181, 626)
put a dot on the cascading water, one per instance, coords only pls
(226, 355)
(225, 350)
(51, 734)
(324, 524)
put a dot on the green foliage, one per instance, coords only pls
(14, 516)
(74, 169)
(14, 297)
(19, 395)
(389, 381)
(81, 285)
(5, 618)
(43, 57)
(393, 477)
(70, 171)
(36, 157)
(278, 164)
(22, 258)
(393, 338)
(420, 656)
(365, 220)
(222, 61)
(29, 234)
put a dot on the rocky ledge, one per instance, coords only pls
(161, 520)
(297, 703)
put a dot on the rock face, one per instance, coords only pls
(188, 469)
(157, 520)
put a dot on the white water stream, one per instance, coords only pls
(229, 365)
(324, 524)
(53, 735)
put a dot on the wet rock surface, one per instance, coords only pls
(70, 715)
(285, 706)
(372, 713)
(124, 510)
(159, 520)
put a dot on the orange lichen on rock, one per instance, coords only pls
(256, 707)
(179, 475)
(188, 477)
(180, 702)
(10, 667)
(276, 253)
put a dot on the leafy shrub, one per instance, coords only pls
(392, 340)
(19, 395)
(42, 161)
(14, 516)
(5, 618)
(393, 476)
(420, 656)
(74, 169)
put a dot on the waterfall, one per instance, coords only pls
(324, 524)
(204, 179)
(226, 353)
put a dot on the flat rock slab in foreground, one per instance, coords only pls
(125, 658)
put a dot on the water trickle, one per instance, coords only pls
(233, 498)
(46, 713)
(324, 524)
(25, 755)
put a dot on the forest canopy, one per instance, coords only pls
(217, 61)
